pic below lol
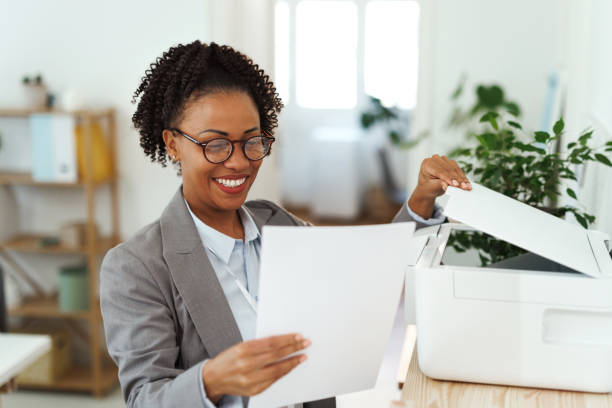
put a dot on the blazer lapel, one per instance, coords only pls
(196, 280)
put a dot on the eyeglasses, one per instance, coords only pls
(220, 149)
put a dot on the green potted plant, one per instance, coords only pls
(395, 124)
(35, 92)
(527, 166)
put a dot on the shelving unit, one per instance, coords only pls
(102, 374)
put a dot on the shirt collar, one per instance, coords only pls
(220, 244)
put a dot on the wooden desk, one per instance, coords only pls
(421, 391)
(17, 351)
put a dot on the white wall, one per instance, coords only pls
(514, 43)
(589, 62)
(100, 49)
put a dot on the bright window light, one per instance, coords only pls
(281, 50)
(326, 54)
(392, 52)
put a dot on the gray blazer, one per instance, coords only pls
(164, 310)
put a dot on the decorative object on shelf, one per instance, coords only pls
(71, 100)
(74, 235)
(35, 92)
(48, 241)
(73, 288)
(52, 365)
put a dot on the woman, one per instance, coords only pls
(178, 299)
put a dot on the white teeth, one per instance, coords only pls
(231, 183)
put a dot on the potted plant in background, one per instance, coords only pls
(395, 123)
(35, 92)
(527, 166)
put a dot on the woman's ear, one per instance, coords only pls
(171, 145)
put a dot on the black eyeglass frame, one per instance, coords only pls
(242, 142)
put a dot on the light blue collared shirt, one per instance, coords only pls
(437, 218)
(236, 263)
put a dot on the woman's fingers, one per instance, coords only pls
(449, 172)
(435, 168)
(268, 344)
(268, 375)
(453, 168)
(273, 356)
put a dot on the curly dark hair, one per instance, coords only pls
(193, 70)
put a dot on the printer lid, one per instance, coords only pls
(530, 229)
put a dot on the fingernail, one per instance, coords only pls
(299, 337)
(306, 343)
(303, 358)
(455, 183)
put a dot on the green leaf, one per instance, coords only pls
(571, 145)
(489, 140)
(558, 127)
(528, 148)
(490, 96)
(513, 108)
(603, 159)
(582, 220)
(515, 124)
(571, 193)
(541, 137)
(367, 119)
(583, 139)
(459, 90)
(395, 137)
(609, 149)
(609, 143)
(483, 260)
(491, 118)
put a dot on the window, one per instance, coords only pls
(326, 54)
(281, 49)
(391, 52)
(333, 66)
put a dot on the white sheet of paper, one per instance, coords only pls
(523, 226)
(339, 287)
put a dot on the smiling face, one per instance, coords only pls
(214, 190)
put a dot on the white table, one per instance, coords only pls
(17, 351)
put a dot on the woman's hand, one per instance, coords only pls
(436, 174)
(250, 367)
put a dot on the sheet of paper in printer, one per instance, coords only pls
(522, 225)
(340, 287)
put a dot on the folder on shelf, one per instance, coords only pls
(100, 155)
(53, 148)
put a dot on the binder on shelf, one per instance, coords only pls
(53, 148)
(100, 153)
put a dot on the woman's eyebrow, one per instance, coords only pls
(251, 130)
(225, 133)
(214, 131)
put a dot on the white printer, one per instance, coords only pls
(541, 318)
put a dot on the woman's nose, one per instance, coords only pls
(237, 160)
